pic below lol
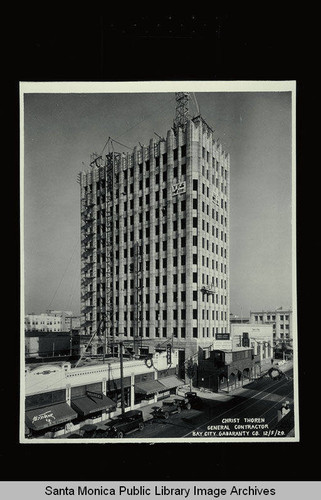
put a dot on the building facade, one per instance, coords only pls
(281, 321)
(155, 241)
(259, 337)
(60, 398)
(51, 321)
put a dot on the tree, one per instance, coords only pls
(190, 371)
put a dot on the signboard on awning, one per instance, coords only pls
(86, 405)
(149, 387)
(49, 416)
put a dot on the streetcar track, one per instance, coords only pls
(241, 403)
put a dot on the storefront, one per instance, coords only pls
(93, 405)
(90, 402)
(49, 418)
(113, 391)
(171, 383)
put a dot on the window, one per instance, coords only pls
(195, 184)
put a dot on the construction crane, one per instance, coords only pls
(183, 109)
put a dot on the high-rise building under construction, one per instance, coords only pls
(155, 241)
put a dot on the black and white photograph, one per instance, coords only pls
(158, 262)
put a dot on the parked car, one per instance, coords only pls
(170, 406)
(183, 402)
(124, 424)
(194, 399)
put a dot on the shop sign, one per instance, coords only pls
(48, 416)
(222, 336)
(169, 354)
(94, 394)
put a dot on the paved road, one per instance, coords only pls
(225, 417)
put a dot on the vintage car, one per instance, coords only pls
(194, 400)
(124, 424)
(170, 406)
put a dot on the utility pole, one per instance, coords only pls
(121, 345)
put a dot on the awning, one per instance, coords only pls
(49, 415)
(149, 387)
(171, 382)
(86, 405)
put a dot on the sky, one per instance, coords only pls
(61, 130)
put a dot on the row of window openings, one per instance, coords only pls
(215, 298)
(205, 315)
(205, 280)
(215, 163)
(215, 181)
(205, 192)
(42, 322)
(163, 211)
(174, 332)
(205, 154)
(130, 267)
(205, 228)
(205, 246)
(269, 317)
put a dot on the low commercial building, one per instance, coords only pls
(257, 336)
(39, 344)
(60, 399)
(227, 369)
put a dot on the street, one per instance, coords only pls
(249, 412)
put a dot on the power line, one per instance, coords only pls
(63, 275)
(134, 126)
